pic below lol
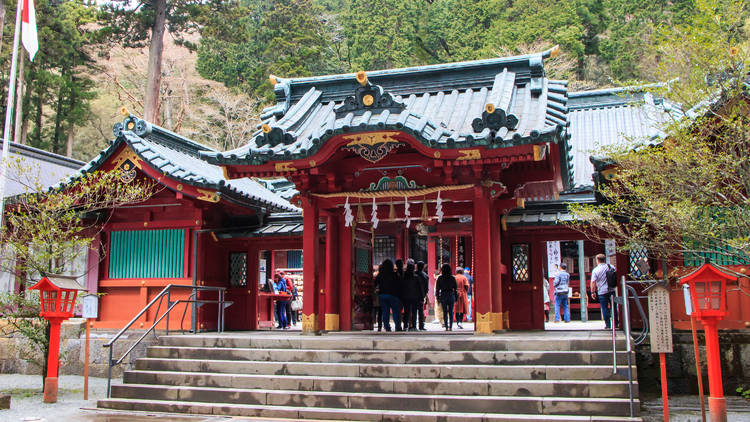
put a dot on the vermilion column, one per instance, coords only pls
(310, 256)
(717, 405)
(53, 361)
(344, 282)
(331, 290)
(496, 268)
(482, 260)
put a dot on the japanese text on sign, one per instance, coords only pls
(660, 321)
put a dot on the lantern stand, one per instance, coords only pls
(708, 290)
(58, 298)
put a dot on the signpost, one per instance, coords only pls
(660, 323)
(90, 312)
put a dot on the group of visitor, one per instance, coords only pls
(401, 293)
(600, 288)
(285, 313)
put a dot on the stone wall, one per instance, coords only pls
(681, 373)
(15, 359)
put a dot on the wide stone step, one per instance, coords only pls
(561, 388)
(296, 413)
(373, 401)
(538, 372)
(408, 342)
(548, 357)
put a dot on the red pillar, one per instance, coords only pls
(310, 246)
(482, 260)
(717, 405)
(496, 269)
(344, 283)
(432, 265)
(253, 263)
(331, 291)
(53, 361)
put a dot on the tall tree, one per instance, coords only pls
(690, 193)
(145, 24)
(257, 38)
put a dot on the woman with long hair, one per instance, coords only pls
(413, 295)
(445, 291)
(387, 284)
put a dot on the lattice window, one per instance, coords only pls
(520, 261)
(294, 259)
(639, 264)
(719, 253)
(384, 248)
(363, 260)
(238, 269)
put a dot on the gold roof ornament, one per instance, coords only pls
(265, 127)
(489, 108)
(367, 100)
(362, 77)
(124, 111)
(273, 79)
(554, 52)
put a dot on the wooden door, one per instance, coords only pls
(362, 291)
(523, 291)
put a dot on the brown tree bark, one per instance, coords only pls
(2, 22)
(155, 51)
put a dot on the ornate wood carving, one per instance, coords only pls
(284, 167)
(207, 195)
(469, 154)
(367, 97)
(372, 146)
(392, 184)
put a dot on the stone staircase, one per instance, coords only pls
(553, 376)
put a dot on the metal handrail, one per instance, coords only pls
(627, 290)
(170, 305)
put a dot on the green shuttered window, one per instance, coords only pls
(147, 254)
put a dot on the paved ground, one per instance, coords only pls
(688, 409)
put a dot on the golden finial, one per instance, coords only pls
(367, 100)
(273, 79)
(265, 127)
(362, 77)
(489, 108)
(124, 111)
(554, 52)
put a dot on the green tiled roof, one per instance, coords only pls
(443, 106)
(179, 158)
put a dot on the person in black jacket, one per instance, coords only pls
(424, 280)
(413, 295)
(388, 285)
(445, 291)
(400, 294)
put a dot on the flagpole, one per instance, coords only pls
(9, 110)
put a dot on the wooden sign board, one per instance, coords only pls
(90, 306)
(660, 319)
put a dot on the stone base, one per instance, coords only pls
(484, 323)
(4, 401)
(309, 323)
(50, 390)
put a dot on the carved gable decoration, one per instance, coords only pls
(392, 184)
(368, 97)
(372, 146)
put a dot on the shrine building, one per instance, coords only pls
(470, 164)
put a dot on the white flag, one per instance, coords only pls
(28, 29)
(374, 214)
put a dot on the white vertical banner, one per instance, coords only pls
(553, 258)
(610, 249)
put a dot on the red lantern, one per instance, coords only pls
(58, 298)
(708, 296)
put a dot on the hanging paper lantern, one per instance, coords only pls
(439, 209)
(407, 213)
(374, 214)
(425, 212)
(348, 216)
(392, 212)
(360, 214)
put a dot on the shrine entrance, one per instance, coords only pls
(434, 154)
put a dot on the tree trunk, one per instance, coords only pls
(71, 126)
(56, 141)
(2, 22)
(19, 102)
(39, 117)
(155, 51)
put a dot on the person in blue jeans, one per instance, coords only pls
(601, 291)
(388, 284)
(281, 304)
(561, 283)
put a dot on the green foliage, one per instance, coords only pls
(743, 392)
(689, 193)
(58, 84)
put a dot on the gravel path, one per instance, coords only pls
(26, 397)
